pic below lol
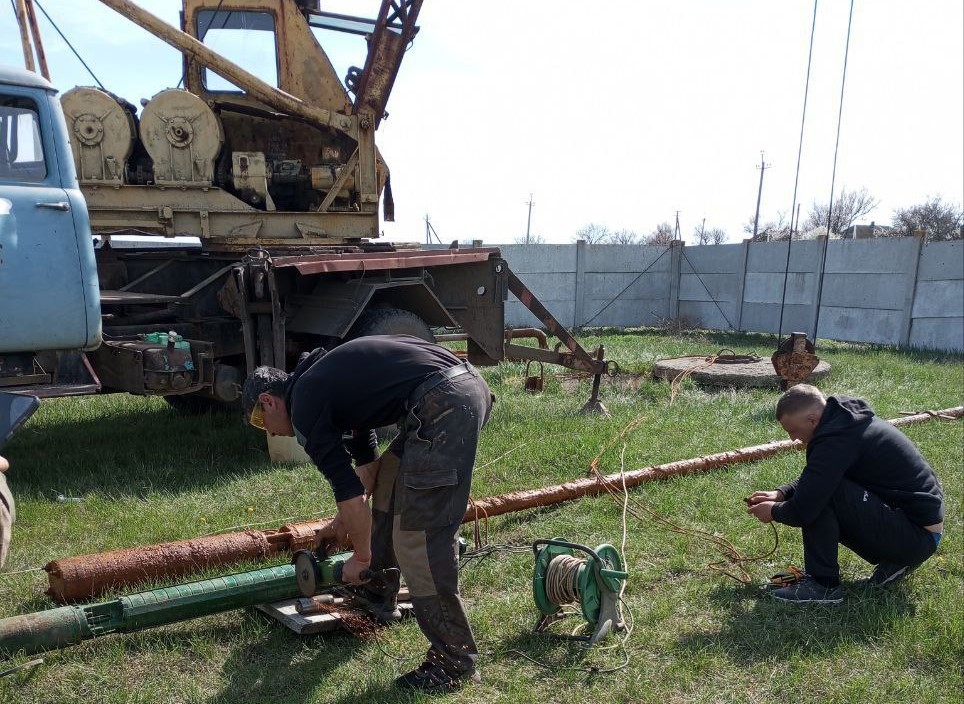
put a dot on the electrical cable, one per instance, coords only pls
(69, 45)
(833, 175)
(796, 178)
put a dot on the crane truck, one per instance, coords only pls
(259, 197)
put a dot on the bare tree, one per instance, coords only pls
(533, 239)
(594, 233)
(713, 236)
(848, 207)
(662, 235)
(770, 230)
(939, 219)
(624, 237)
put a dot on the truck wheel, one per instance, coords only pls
(390, 321)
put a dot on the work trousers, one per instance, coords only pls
(860, 520)
(420, 497)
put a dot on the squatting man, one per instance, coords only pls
(865, 485)
(419, 487)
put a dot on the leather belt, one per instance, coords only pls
(434, 380)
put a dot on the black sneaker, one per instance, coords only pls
(434, 679)
(809, 591)
(887, 573)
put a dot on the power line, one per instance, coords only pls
(803, 116)
(833, 176)
(69, 45)
(796, 178)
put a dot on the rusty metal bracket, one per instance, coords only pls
(578, 358)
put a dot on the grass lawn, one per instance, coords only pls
(145, 474)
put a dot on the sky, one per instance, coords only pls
(620, 113)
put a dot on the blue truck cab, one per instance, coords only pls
(49, 297)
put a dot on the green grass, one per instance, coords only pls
(145, 474)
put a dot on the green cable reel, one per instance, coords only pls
(561, 576)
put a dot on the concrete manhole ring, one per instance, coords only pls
(748, 375)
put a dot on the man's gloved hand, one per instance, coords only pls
(351, 571)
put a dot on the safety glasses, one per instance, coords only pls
(257, 416)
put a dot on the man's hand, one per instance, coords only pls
(334, 536)
(351, 571)
(763, 510)
(758, 497)
(368, 473)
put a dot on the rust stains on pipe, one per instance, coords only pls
(590, 486)
(85, 576)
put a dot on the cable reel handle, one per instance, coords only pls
(565, 544)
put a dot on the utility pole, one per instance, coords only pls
(529, 221)
(703, 232)
(428, 238)
(756, 218)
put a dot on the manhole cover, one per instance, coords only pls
(749, 374)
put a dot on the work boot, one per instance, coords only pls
(381, 599)
(432, 678)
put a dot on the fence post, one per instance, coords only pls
(911, 293)
(579, 289)
(675, 267)
(742, 273)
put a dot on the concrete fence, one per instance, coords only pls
(896, 291)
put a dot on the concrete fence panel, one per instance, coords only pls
(896, 291)
(937, 312)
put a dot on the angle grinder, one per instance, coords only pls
(318, 572)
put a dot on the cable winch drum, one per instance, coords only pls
(562, 575)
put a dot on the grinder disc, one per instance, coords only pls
(306, 572)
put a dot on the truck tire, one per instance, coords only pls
(390, 321)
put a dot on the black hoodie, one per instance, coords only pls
(850, 442)
(359, 385)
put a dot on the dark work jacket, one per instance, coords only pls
(850, 442)
(359, 385)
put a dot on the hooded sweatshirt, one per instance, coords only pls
(359, 385)
(850, 442)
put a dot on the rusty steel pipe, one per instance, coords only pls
(85, 576)
(547, 496)
(513, 334)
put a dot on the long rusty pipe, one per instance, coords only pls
(85, 576)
